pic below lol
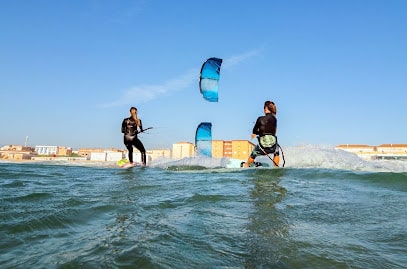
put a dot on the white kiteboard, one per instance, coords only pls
(235, 163)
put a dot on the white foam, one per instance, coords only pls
(321, 156)
(191, 161)
(303, 156)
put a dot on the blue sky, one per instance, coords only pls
(70, 70)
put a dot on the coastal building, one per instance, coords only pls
(150, 155)
(87, 152)
(221, 148)
(183, 150)
(16, 152)
(99, 153)
(16, 148)
(237, 149)
(114, 156)
(392, 148)
(241, 149)
(53, 150)
(357, 149)
(384, 151)
(98, 156)
(160, 153)
(64, 151)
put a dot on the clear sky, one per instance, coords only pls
(70, 70)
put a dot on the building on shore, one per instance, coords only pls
(16, 152)
(159, 153)
(384, 151)
(101, 154)
(182, 150)
(53, 150)
(238, 149)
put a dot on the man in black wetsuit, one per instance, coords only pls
(131, 126)
(265, 129)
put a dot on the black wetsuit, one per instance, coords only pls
(265, 125)
(265, 128)
(130, 131)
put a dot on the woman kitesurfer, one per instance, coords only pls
(265, 129)
(131, 126)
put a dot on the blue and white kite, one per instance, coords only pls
(209, 79)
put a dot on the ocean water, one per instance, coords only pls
(325, 209)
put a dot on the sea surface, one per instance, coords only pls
(324, 209)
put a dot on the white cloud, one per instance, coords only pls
(145, 93)
(237, 59)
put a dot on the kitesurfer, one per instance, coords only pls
(265, 129)
(131, 126)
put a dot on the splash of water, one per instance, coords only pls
(303, 156)
(320, 156)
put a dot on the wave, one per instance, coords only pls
(320, 156)
(303, 156)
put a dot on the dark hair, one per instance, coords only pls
(133, 108)
(271, 106)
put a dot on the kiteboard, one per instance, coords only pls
(235, 163)
(125, 163)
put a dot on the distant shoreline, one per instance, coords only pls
(57, 160)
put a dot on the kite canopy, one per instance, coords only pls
(203, 139)
(209, 79)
